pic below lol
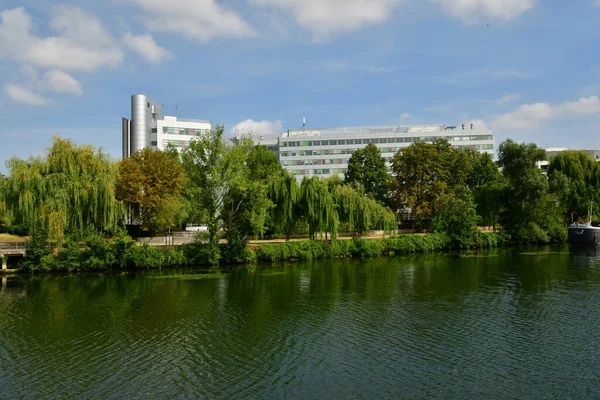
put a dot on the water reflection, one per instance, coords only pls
(508, 323)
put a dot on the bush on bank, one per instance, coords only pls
(404, 244)
(95, 253)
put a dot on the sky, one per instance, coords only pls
(528, 69)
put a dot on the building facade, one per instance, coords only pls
(178, 132)
(148, 127)
(326, 152)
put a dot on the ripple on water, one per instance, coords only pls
(417, 327)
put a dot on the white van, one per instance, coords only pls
(196, 228)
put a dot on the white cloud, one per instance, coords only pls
(257, 127)
(22, 95)
(529, 116)
(507, 99)
(146, 47)
(473, 11)
(328, 17)
(82, 42)
(61, 82)
(405, 116)
(201, 20)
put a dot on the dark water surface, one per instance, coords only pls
(493, 325)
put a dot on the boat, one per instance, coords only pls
(584, 233)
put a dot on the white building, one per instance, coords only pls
(325, 152)
(149, 128)
(177, 132)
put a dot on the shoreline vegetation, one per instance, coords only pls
(82, 210)
(123, 253)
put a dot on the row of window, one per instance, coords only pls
(302, 153)
(182, 144)
(475, 146)
(287, 163)
(330, 171)
(184, 131)
(328, 152)
(344, 142)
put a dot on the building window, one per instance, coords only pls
(153, 143)
(154, 130)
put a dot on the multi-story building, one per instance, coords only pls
(177, 132)
(148, 127)
(325, 152)
(270, 140)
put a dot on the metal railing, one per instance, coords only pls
(14, 245)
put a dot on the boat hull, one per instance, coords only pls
(584, 236)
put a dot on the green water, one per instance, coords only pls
(491, 325)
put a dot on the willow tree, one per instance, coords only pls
(4, 214)
(69, 190)
(318, 207)
(361, 213)
(285, 194)
(581, 174)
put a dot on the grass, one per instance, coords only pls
(7, 237)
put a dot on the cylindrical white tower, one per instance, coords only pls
(139, 128)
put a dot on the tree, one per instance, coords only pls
(457, 219)
(425, 174)
(263, 164)
(284, 192)
(4, 213)
(367, 168)
(67, 191)
(530, 213)
(575, 178)
(150, 182)
(359, 212)
(487, 184)
(318, 207)
(220, 185)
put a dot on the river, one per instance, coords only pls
(500, 324)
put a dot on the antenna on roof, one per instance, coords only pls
(303, 122)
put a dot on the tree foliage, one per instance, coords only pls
(457, 218)
(487, 184)
(360, 212)
(367, 168)
(150, 183)
(425, 174)
(530, 212)
(67, 191)
(318, 207)
(231, 195)
(575, 178)
(284, 192)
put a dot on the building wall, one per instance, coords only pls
(178, 132)
(326, 152)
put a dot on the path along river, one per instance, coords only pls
(503, 324)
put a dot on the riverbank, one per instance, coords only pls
(122, 253)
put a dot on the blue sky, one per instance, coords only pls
(529, 69)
